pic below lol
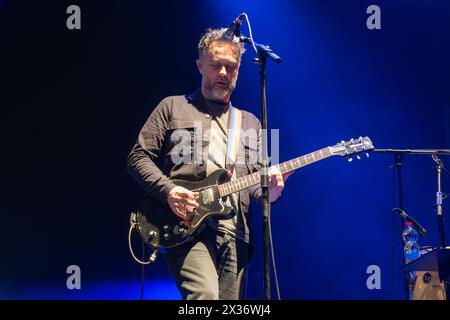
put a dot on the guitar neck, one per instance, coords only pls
(288, 166)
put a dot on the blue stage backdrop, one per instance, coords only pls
(73, 102)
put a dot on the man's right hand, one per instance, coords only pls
(182, 200)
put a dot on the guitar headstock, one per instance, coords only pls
(352, 147)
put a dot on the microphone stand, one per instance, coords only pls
(398, 158)
(264, 52)
(439, 197)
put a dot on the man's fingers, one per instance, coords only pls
(179, 211)
(182, 200)
(191, 203)
(188, 195)
(187, 207)
(276, 179)
(184, 203)
(185, 200)
(280, 181)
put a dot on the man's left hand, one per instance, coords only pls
(276, 183)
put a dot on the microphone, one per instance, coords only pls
(233, 29)
(421, 229)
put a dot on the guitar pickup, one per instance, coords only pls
(207, 196)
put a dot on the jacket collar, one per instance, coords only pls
(194, 96)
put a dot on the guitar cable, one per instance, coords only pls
(273, 260)
(152, 257)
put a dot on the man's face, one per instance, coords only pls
(219, 68)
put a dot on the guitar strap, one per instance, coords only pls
(234, 133)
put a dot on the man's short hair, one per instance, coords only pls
(212, 35)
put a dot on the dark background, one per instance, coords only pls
(73, 102)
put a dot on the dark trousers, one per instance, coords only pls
(210, 268)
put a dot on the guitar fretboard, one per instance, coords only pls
(255, 178)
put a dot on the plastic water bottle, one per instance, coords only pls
(412, 252)
(411, 248)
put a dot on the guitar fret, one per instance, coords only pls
(316, 156)
(291, 167)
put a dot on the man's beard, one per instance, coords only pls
(219, 92)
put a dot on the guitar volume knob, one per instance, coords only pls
(166, 236)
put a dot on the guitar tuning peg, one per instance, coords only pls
(357, 156)
(350, 159)
(367, 154)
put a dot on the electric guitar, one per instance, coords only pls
(161, 228)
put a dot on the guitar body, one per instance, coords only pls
(161, 228)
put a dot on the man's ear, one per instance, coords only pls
(199, 65)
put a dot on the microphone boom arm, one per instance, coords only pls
(421, 229)
(262, 49)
